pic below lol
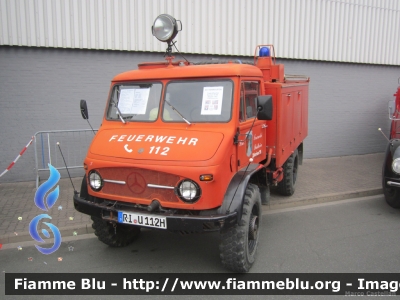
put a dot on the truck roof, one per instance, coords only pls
(164, 71)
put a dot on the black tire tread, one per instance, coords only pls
(125, 234)
(286, 187)
(233, 246)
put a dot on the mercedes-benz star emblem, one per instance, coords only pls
(136, 183)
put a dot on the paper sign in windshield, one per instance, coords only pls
(212, 100)
(133, 101)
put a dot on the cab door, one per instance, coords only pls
(251, 131)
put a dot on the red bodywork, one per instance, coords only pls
(127, 152)
(289, 125)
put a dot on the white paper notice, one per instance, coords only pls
(133, 101)
(212, 100)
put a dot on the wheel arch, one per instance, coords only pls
(234, 195)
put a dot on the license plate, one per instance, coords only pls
(152, 221)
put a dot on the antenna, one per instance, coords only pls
(383, 134)
(75, 191)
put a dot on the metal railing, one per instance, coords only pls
(74, 145)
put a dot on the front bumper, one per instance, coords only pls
(393, 183)
(108, 211)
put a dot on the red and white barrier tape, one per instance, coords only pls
(15, 160)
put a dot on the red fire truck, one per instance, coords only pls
(195, 147)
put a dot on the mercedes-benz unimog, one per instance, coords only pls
(195, 147)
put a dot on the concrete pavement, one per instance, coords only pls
(319, 180)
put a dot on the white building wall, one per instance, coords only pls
(358, 31)
(41, 88)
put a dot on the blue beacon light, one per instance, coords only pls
(264, 52)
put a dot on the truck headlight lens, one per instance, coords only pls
(95, 181)
(396, 165)
(189, 191)
(165, 28)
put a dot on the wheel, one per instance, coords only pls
(119, 236)
(238, 245)
(287, 185)
(392, 194)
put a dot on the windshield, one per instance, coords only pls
(198, 101)
(135, 102)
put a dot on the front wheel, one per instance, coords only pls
(238, 245)
(117, 235)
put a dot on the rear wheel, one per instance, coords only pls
(117, 235)
(238, 245)
(287, 185)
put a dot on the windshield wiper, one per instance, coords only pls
(183, 118)
(119, 112)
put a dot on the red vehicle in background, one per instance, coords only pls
(391, 166)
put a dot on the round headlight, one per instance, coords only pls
(165, 28)
(189, 191)
(95, 181)
(396, 165)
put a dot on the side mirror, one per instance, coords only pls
(84, 110)
(264, 107)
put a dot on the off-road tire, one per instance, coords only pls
(120, 236)
(392, 194)
(287, 185)
(238, 245)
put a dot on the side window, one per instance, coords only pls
(248, 106)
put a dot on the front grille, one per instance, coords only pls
(136, 180)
